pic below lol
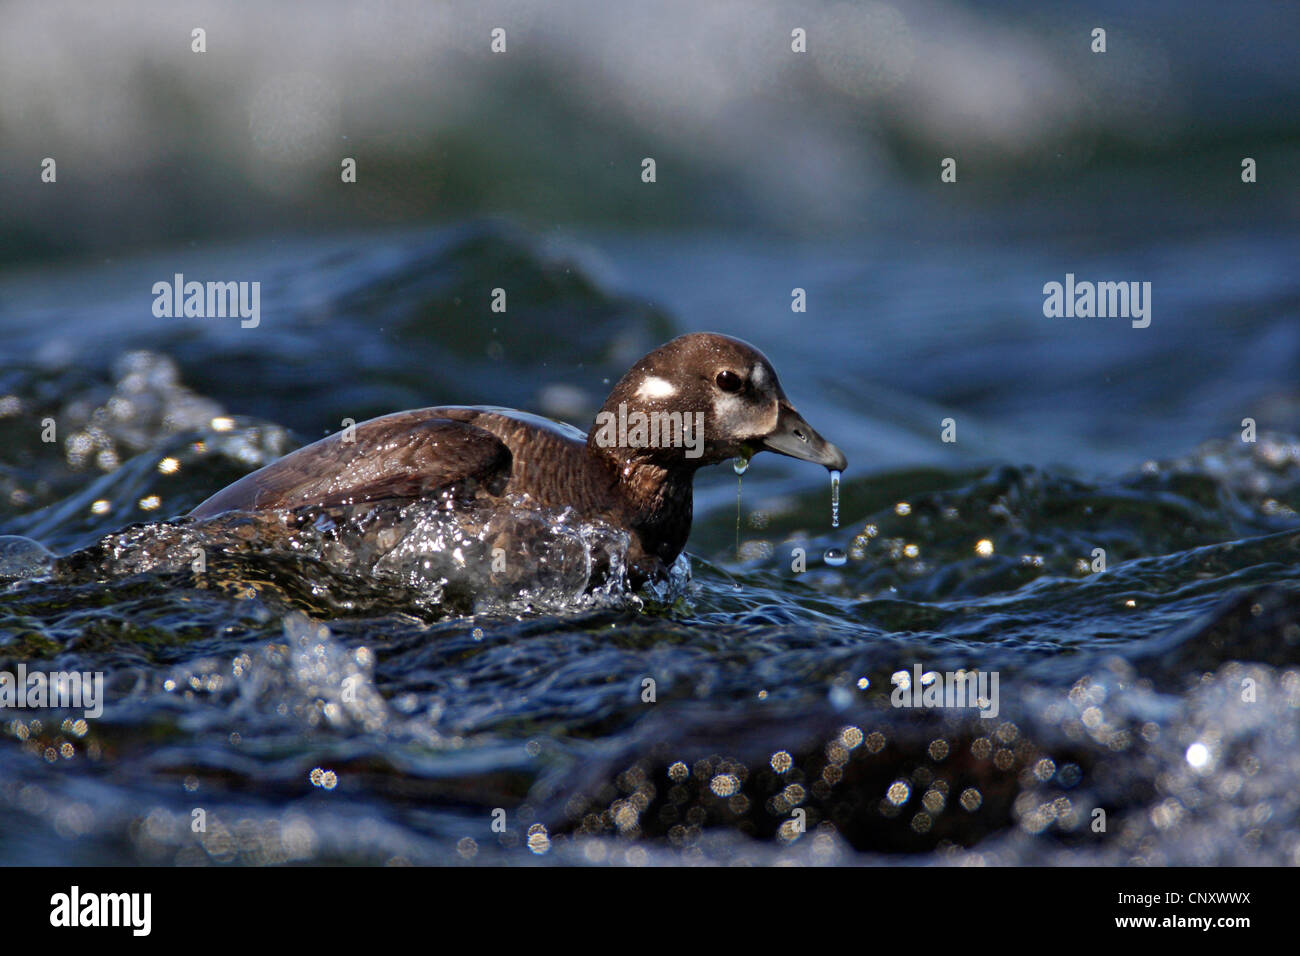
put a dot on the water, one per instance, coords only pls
(740, 466)
(835, 499)
(368, 690)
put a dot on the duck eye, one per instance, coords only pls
(729, 381)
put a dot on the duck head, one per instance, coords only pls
(699, 400)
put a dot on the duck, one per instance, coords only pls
(700, 399)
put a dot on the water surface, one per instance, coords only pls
(319, 701)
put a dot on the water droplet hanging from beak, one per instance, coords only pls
(835, 499)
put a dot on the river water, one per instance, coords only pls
(318, 699)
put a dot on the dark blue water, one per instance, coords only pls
(319, 701)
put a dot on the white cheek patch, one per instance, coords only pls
(655, 387)
(758, 377)
(732, 414)
(727, 407)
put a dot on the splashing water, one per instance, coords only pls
(474, 559)
(540, 707)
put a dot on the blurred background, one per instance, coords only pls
(157, 144)
(775, 170)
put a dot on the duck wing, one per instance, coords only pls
(405, 455)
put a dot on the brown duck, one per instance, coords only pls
(698, 400)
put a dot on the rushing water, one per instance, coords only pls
(357, 685)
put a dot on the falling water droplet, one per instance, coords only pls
(738, 481)
(741, 465)
(835, 499)
(835, 557)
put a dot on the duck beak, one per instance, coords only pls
(794, 437)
